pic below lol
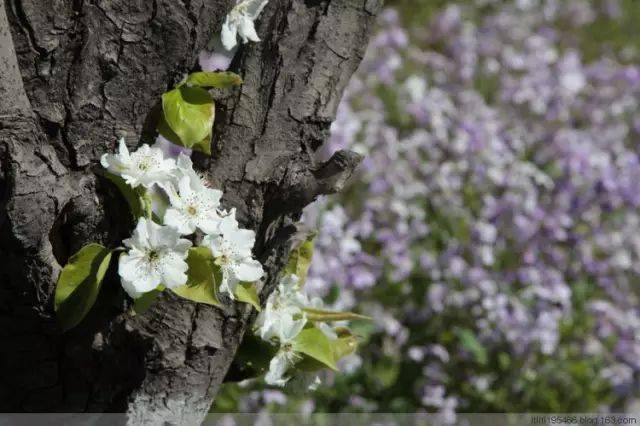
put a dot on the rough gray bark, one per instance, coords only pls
(77, 74)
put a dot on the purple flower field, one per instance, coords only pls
(493, 230)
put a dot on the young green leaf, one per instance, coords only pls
(328, 316)
(341, 347)
(131, 196)
(164, 129)
(221, 80)
(201, 278)
(79, 284)
(144, 302)
(300, 258)
(246, 292)
(189, 112)
(309, 364)
(313, 342)
(344, 346)
(204, 145)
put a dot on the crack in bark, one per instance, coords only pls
(18, 10)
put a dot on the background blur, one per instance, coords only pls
(493, 231)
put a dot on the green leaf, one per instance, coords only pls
(79, 284)
(341, 347)
(221, 80)
(328, 316)
(204, 145)
(131, 196)
(201, 278)
(313, 342)
(300, 258)
(164, 129)
(344, 346)
(144, 302)
(469, 341)
(246, 292)
(189, 112)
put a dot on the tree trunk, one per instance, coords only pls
(75, 75)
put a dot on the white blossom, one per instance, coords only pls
(286, 356)
(191, 209)
(146, 166)
(156, 256)
(282, 320)
(279, 365)
(240, 22)
(184, 167)
(231, 248)
(283, 310)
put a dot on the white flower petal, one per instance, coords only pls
(180, 221)
(229, 224)
(247, 30)
(123, 151)
(278, 367)
(184, 186)
(229, 34)
(135, 270)
(212, 195)
(181, 248)
(209, 225)
(290, 328)
(327, 330)
(228, 284)
(140, 237)
(159, 201)
(130, 288)
(243, 240)
(174, 272)
(248, 270)
(215, 243)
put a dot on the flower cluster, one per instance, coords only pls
(493, 232)
(298, 327)
(157, 252)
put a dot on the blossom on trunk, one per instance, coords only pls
(156, 256)
(231, 248)
(146, 166)
(283, 310)
(286, 356)
(191, 209)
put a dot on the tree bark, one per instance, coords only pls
(75, 75)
